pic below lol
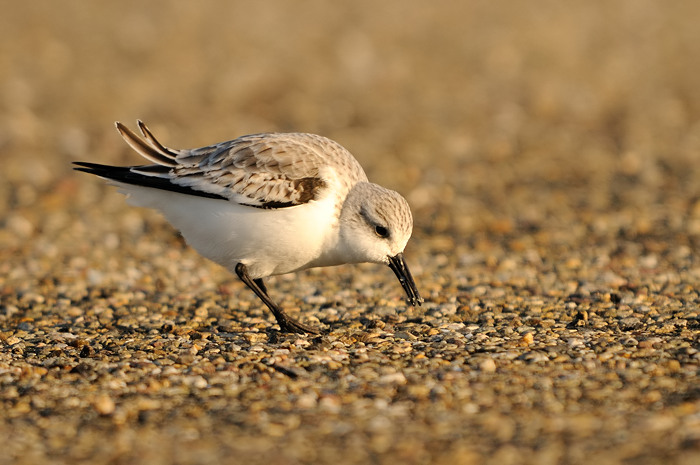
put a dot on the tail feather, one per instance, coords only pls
(150, 138)
(155, 153)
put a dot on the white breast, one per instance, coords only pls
(267, 241)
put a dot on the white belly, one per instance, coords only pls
(268, 242)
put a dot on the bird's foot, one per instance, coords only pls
(290, 325)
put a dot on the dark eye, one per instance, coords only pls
(381, 231)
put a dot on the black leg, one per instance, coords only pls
(287, 324)
(261, 284)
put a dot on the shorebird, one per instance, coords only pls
(269, 204)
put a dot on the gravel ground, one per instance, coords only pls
(551, 154)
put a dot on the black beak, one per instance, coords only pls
(398, 266)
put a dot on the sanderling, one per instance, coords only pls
(269, 204)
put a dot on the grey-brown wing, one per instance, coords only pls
(273, 170)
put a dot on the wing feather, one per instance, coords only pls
(270, 170)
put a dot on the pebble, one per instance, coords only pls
(104, 405)
(488, 366)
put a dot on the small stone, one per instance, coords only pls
(404, 335)
(673, 366)
(648, 343)
(104, 405)
(488, 365)
(630, 323)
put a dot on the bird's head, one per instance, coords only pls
(375, 225)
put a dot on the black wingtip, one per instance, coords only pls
(94, 168)
(124, 174)
(84, 164)
(117, 173)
